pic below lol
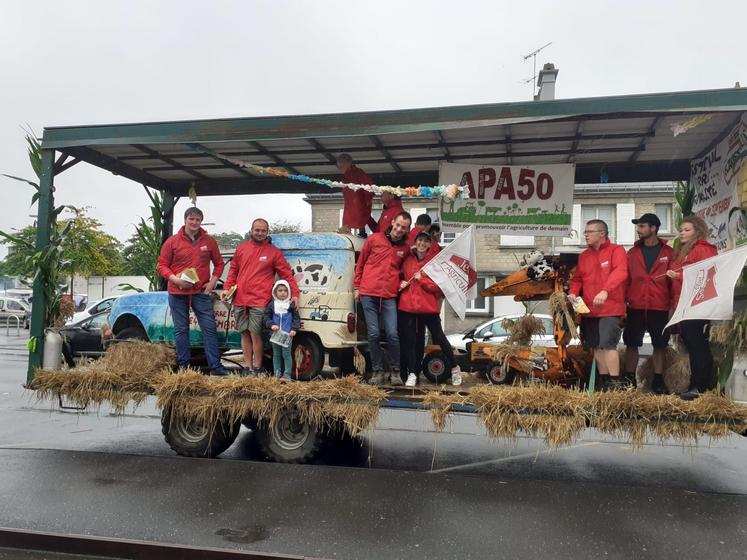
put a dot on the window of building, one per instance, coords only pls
(605, 212)
(664, 212)
(479, 304)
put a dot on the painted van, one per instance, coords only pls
(323, 265)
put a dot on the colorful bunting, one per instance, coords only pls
(447, 192)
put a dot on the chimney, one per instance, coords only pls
(546, 82)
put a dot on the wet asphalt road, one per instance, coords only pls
(403, 494)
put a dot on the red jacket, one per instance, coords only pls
(600, 269)
(649, 290)
(377, 270)
(412, 235)
(389, 213)
(421, 296)
(178, 253)
(357, 204)
(700, 251)
(253, 269)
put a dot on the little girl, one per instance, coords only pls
(281, 315)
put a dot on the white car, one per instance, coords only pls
(492, 331)
(96, 307)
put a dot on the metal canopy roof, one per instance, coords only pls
(630, 138)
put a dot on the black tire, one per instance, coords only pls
(435, 367)
(290, 440)
(313, 357)
(497, 376)
(131, 333)
(191, 439)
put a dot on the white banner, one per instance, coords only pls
(719, 178)
(510, 200)
(708, 287)
(453, 269)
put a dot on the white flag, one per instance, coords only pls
(453, 269)
(708, 287)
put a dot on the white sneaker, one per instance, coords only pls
(412, 380)
(456, 376)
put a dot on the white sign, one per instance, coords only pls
(453, 269)
(715, 178)
(708, 287)
(510, 199)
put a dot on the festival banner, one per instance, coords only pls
(719, 180)
(453, 269)
(708, 287)
(509, 199)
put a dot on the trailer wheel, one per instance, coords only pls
(290, 440)
(194, 439)
(435, 367)
(497, 376)
(311, 353)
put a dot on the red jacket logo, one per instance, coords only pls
(705, 288)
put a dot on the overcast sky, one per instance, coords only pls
(76, 62)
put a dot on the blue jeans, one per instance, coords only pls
(281, 354)
(203, 308)
(381, 312)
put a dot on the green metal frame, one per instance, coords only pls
(75, 142)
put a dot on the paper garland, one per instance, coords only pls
(447, 192)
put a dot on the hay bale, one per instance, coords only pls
(323, 403)
(676, 371)
(440, 405)
(549, 411)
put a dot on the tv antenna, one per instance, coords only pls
(533, 55)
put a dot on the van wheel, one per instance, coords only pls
(290, 440)
(195, 439)
(311, 353)
(497, 376)
(435, 367)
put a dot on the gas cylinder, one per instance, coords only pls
(52, 357)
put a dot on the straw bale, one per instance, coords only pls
(440, 405)
(555, 413)
(323, 403)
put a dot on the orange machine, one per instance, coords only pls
(544, 279)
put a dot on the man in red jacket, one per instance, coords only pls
(357, 204)
(392, 206)
(192, 248)
(600, 278)
(253, 269)
(375, 285)
(649, 292)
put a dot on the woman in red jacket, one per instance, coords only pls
(420, 307)
(693, 247)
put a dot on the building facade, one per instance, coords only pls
(498, 255)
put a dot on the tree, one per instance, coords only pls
(85, 249)
(285, 227)
(229, 240)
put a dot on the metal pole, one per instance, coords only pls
(44, 225)
(168, 223)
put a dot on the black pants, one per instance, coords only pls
(694, 335)
(413, 345)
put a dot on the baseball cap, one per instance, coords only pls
(650, 219)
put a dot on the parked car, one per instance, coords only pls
(14, 311)
(323, 265)
(94, 308)
(85, 338)
(492, 331)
